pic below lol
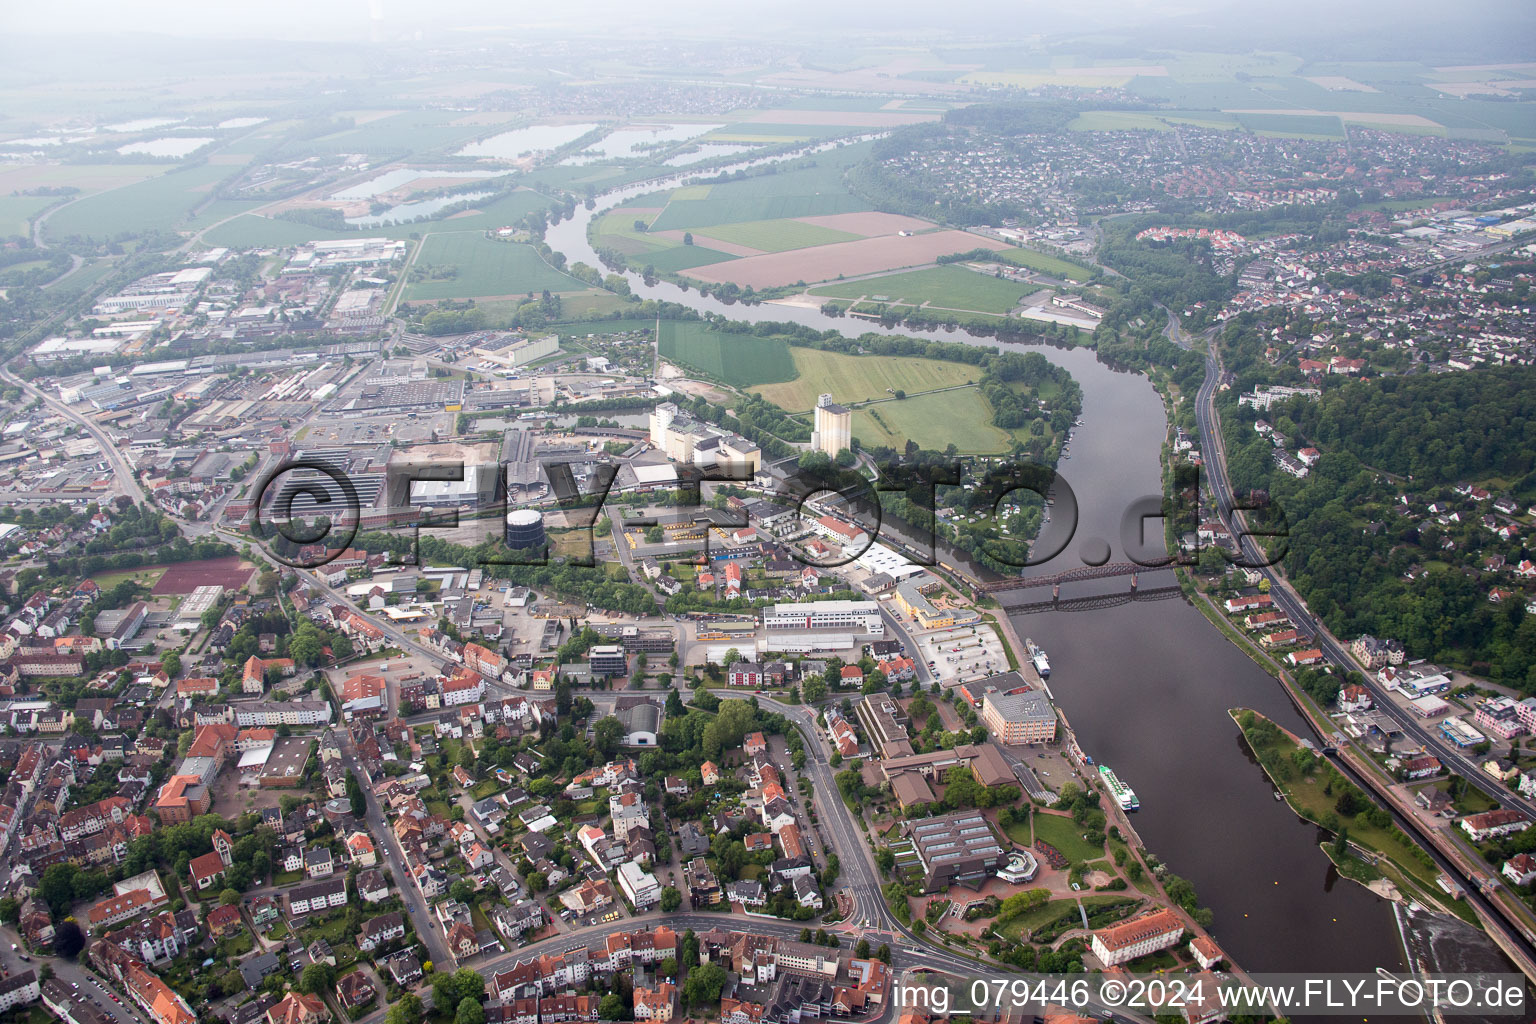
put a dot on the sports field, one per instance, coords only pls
(852, 379)
(737, 359)
(962, 418)
(482, 269)
(947, 287)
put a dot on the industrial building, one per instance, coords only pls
(833, 428)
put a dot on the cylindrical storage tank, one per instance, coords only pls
(525, 528)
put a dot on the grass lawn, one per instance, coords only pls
(1067, 836)
(962, 418)
(148, 577)
(483, 268)
(946, 287)
(1306, 796)
(1056, 910)
(287, 878)
(852, 379)
(777, 235)
(1471, 801)
(741, 360)
(1044, 262)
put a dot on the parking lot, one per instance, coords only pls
(963, 653)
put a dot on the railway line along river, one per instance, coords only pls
(1147, 685)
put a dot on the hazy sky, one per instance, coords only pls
(1340, 29)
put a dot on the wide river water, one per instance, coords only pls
(1146, 685)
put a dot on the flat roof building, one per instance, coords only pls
(956, 849)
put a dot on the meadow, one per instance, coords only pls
(947, 287)
(777, 235)
(1045, 263)
(253, 231)
(740, 360)
(852, 379)
(16, 213)
(155, 204)
(962, 418)
(484, 269)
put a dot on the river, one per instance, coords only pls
(1146, 685)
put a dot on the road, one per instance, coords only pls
(89, 985)
(1301, 618)
(1288, 601)
(427, 930)
(122, 473)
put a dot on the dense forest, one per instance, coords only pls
(1433, 429)
(1350, 550)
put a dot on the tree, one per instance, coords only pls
(407, 1009)
(316, 978)
(170, 662)
(861, 950)
(68, 940)
(229, 897)
(671, 899)
(355, 796)
(687, 237)
(462, 891)
(607, 736)
(704, 984)
(611, 1007)
(883, 954)
(469, 1012)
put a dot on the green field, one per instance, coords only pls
(697, 214)
(853, 379)
(681, 257)
(1067, 836)
(484, 268)
(737, 359)
(1044, 262)
(777, 235)
(499, 212)
(156, 204)
(253, 231)
(962, 418)
(1293, 124)
(16, 213)
(947, 287)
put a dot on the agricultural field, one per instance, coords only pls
(947, 287)
(1293, 124)
(1045, 263)
(16, 213)
(155, 204)
(776, 235)
(481, 268)
(962, 418)
(683, 257)
(826, 262)
(253, 231)
(741, 360)
(854, 379)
